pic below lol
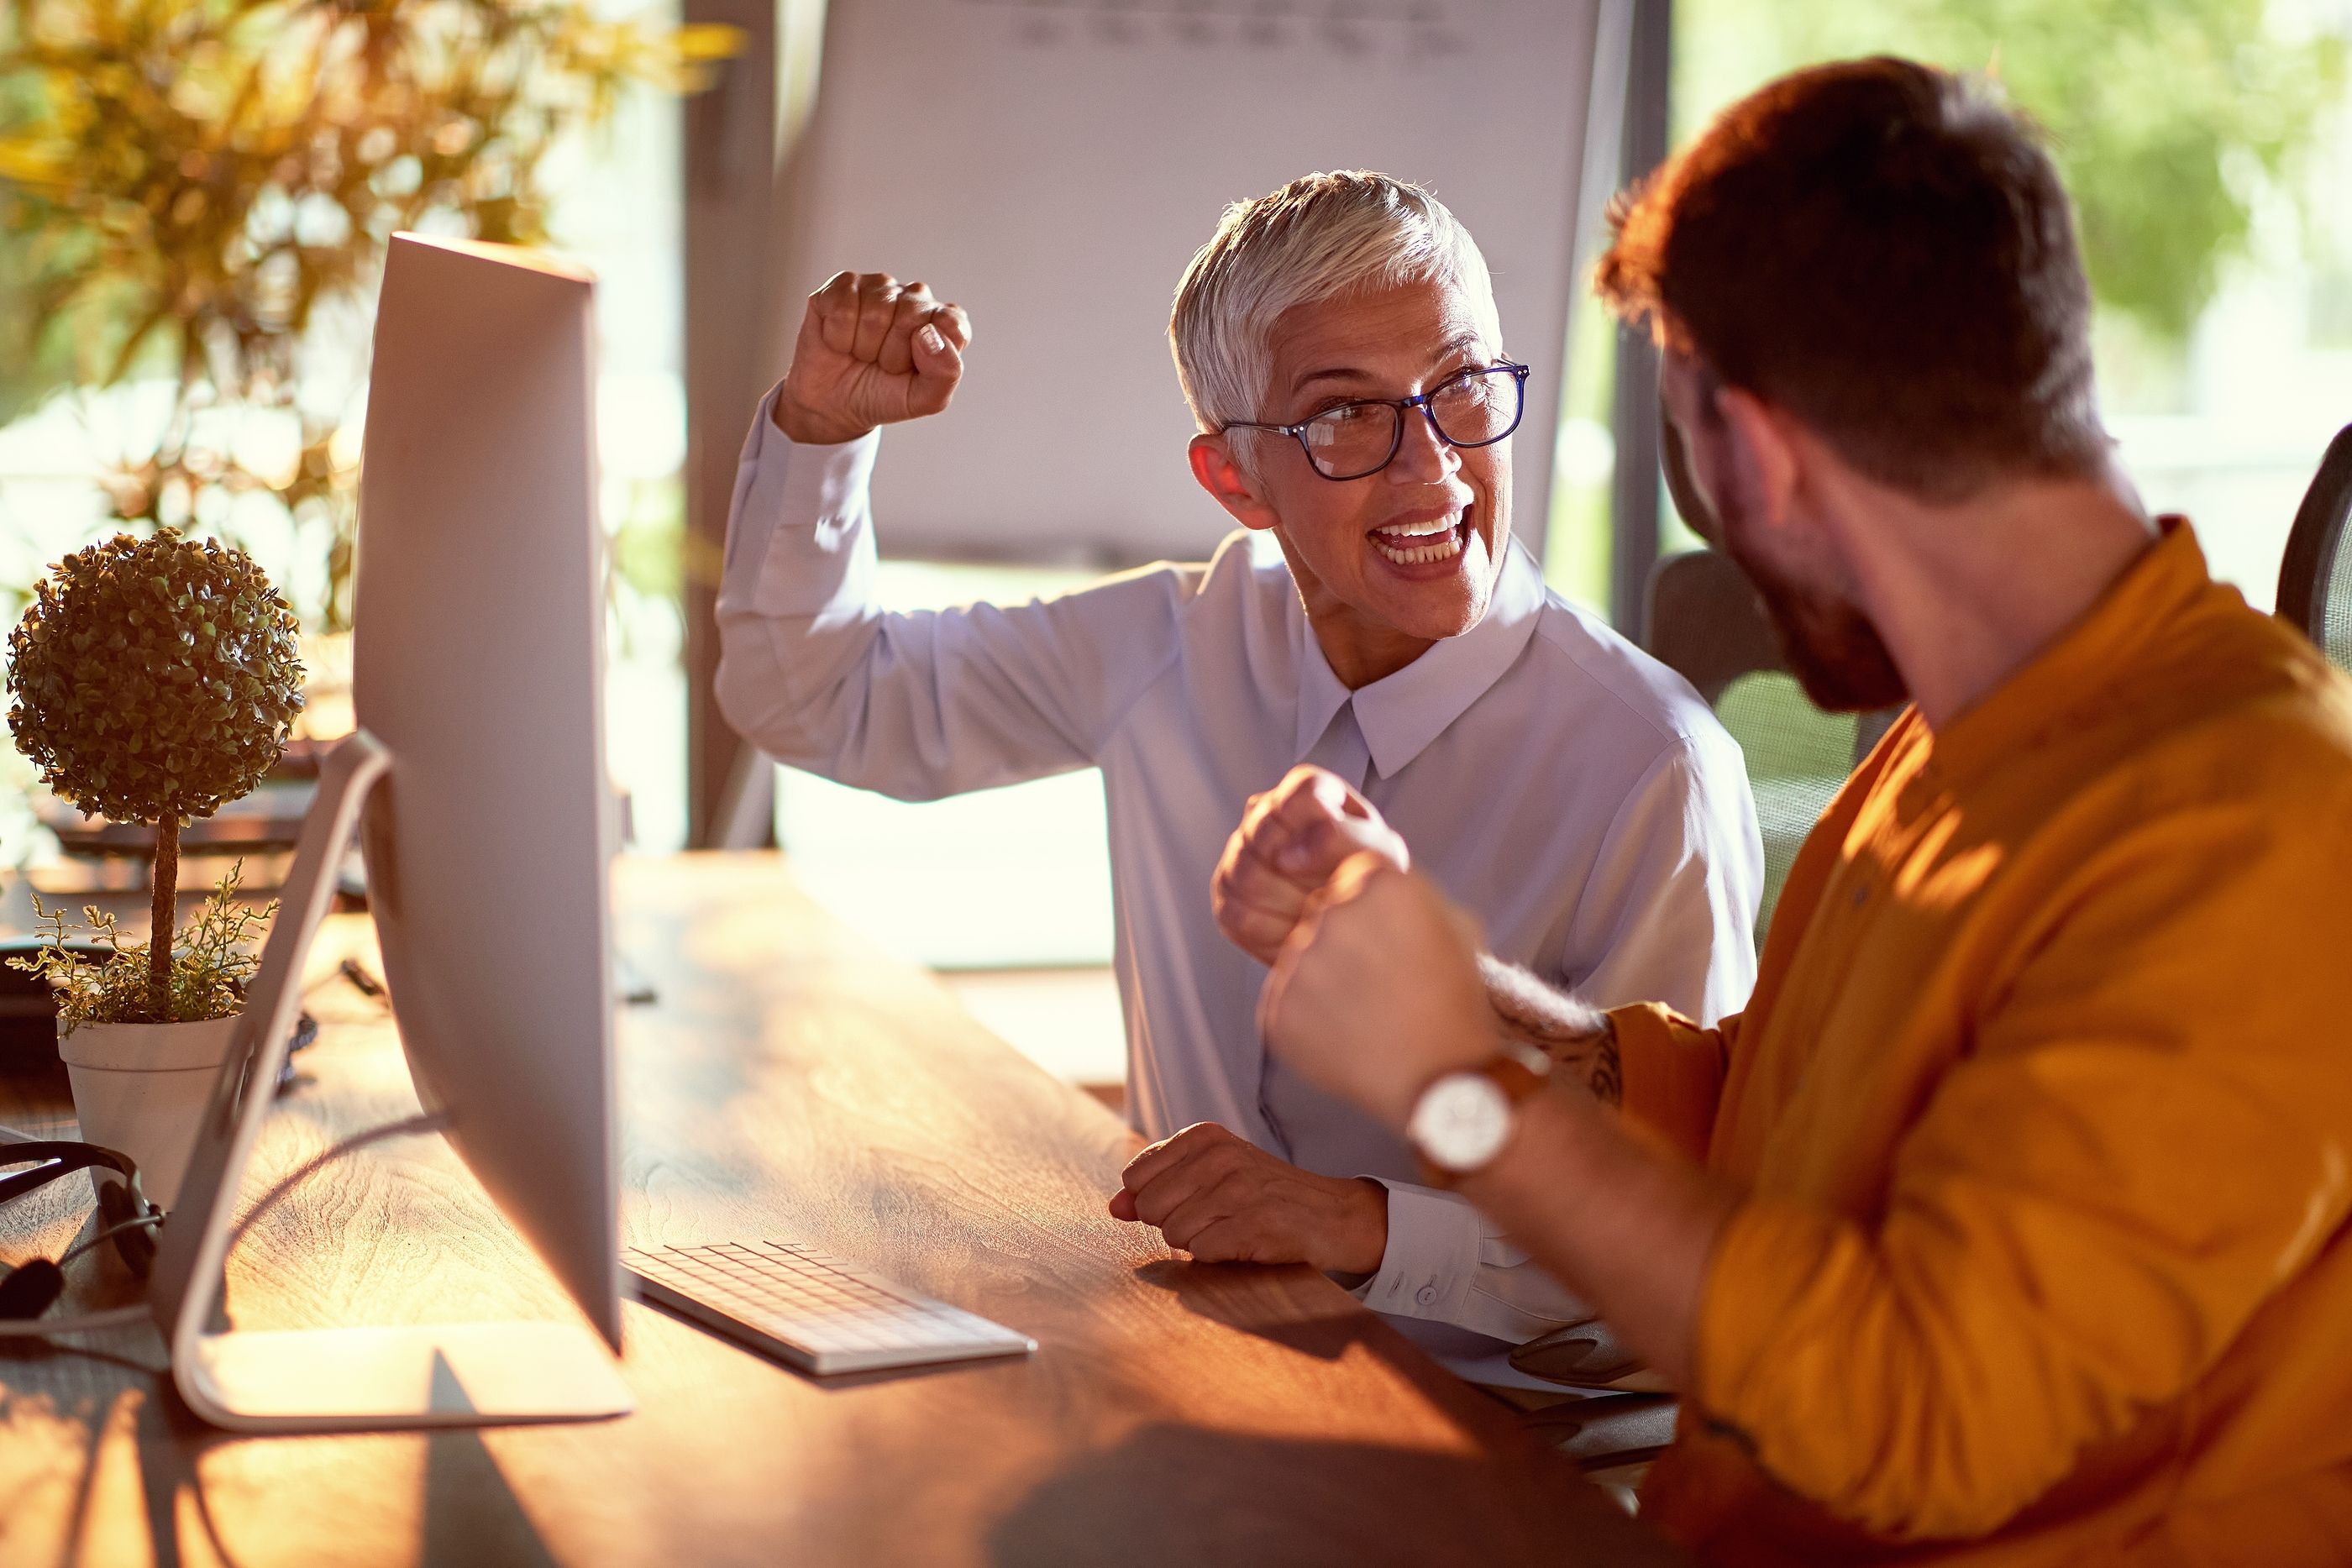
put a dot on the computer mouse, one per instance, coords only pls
(1582, 1355)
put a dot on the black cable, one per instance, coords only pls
(29, 1290)
(88, 1323)
(109, 1234)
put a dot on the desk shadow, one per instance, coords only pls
(470, 1512)
(1185, 1495)
(169, 1438)
(1220, 1292)
(93, 1385)
(30, 1349)
(471, 1515)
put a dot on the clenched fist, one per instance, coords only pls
(1376, 992)
(872, 351)
(1292, 837)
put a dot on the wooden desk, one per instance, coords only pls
(788, 1082)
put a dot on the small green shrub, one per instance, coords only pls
(208, 970)
(155, 678)
(154, 681)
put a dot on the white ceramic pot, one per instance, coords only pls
(141, 1088)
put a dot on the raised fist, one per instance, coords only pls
(872, 351)
(1292, 839)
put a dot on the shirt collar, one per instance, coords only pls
(2116, 636)
(1400, 714)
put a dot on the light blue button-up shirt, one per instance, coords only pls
(1575, 794)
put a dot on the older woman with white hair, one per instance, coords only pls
(1338, 344)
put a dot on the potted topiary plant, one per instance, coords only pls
(153, 681)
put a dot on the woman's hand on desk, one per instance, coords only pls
(872, 351)
(1224, 1200)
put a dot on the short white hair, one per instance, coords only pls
(1321, 237)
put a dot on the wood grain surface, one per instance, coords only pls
(791, 1082)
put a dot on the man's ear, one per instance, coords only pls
(1761, 458)
(1222, 475)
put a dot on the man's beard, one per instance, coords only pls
(1831, 648)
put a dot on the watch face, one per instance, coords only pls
(1460, 1122)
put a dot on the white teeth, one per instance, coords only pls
(1450, 545)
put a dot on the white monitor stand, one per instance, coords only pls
(340, 1379)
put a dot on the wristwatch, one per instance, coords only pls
(1461, 1121)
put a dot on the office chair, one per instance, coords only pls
(2315, 591)
(1705, 623)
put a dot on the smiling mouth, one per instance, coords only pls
(1425, 542)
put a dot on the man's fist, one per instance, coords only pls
(872, 351)
(1224, 1200)
(1291, 839)
(1376, 992)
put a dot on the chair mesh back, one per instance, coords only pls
(1707, 626)
(1798, 757)
(2335, 610)
(2314, 589)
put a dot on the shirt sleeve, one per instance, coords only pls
(914, 706)
(1671, 1074)
(2145, 1139)
(1671, 909)
(1447, 1263)
(1668, 914)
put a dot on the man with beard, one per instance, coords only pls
(2007, 1224)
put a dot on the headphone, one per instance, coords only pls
(33, 1287)
(130, 1215)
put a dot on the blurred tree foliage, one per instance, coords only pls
(188, 186)
(2169, 117)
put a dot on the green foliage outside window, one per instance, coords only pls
(2174, 122)
(188, 186)
(2170, 119)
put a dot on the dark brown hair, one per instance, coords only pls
(1885, 250)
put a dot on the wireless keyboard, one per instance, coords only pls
(812, 1310)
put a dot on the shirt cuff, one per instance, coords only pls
(1431, 1257)
(1671, 1074)
(815, 493)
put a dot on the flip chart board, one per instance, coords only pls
(1053, 164)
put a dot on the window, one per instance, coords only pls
(2205, 144)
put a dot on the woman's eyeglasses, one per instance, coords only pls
(1475, 408)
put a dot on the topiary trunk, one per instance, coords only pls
(167, 895)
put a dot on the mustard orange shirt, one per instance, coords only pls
(2042, 1108)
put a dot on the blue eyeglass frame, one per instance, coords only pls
(1517, 373)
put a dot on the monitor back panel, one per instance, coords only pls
(478, 662)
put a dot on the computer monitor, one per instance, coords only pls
(478, 776)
